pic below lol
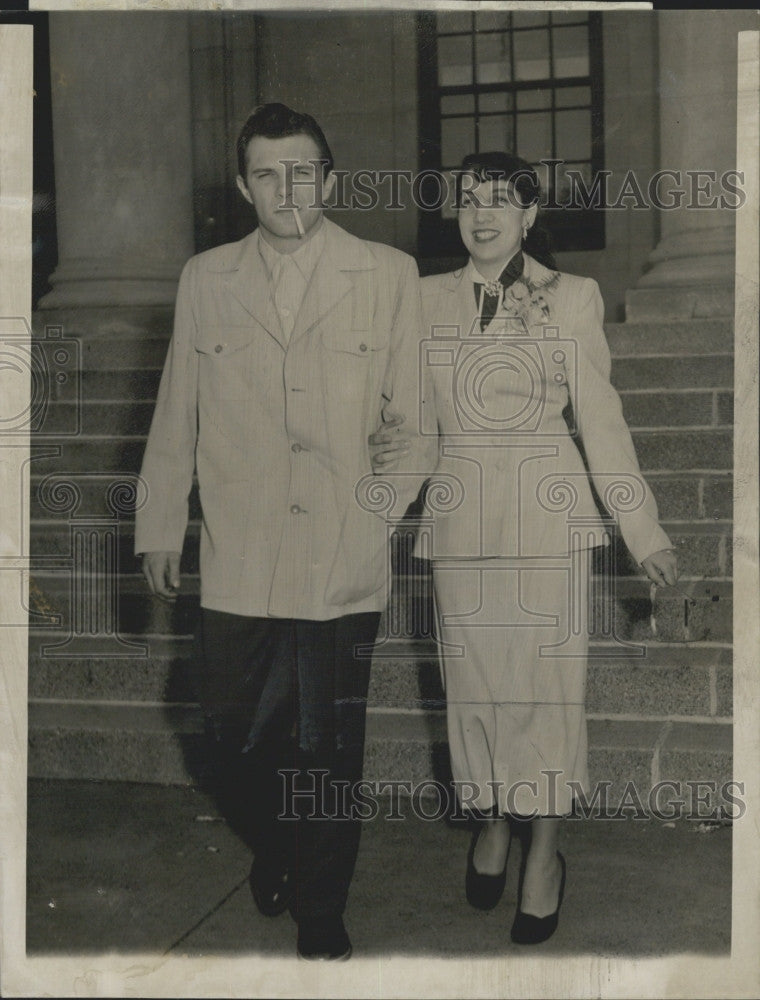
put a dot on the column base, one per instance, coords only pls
(679, 302)
(692, 275)
(120, 282)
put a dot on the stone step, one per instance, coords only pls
(164, 744)
(102, 418)
(646, 408)
(681, 496)
(704, 547)
(642, 408)
(673, 372)
(620, 751)
(123, 354)
(112, 329)
(129, 383)
(625, 614)
(660, 449)
(676, 450)
(687, 337)
(668, 680)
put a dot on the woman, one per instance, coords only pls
(511, 342)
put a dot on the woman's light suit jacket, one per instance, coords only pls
(510, 479)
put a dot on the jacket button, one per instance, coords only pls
(296, 448)
(295, 509)
(362, 347)
(218, 348)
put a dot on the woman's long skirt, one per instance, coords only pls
(514, 644)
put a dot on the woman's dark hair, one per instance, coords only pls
(277, 121)
(524, 180)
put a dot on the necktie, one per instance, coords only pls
(287, 293)
(508, 276)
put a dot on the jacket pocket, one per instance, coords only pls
(222, 341)
(359, 343)
(226, 368)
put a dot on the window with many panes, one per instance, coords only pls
(529, 82)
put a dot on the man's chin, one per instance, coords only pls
(279, 232)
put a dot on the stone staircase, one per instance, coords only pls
(110, 706)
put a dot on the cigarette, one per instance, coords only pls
(299, 224)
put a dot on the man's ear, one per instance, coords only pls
(243, 188)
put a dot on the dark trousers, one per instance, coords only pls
(285, 703)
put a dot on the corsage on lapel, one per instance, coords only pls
(525, 299)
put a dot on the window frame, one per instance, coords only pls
(576, 229)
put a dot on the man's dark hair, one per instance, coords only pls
(277, 121)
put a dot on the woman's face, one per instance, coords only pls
(491, 222)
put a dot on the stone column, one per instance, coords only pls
(123, 157)
(692, 267)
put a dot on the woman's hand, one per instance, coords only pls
(388, 444)
(662, 567)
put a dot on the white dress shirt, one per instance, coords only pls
(289, 276)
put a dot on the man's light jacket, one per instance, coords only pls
(277, 429)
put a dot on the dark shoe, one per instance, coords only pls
(323, 939)
(271, 886)
(528, 929)
(483, 891)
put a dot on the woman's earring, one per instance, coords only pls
(525, 230)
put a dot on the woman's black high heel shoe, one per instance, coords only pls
(483, 891)
(528, 929)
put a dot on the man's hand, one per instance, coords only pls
(662, 567)
(161, 570)
(388, 444)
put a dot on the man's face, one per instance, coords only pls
(491, 220)
(270, 185)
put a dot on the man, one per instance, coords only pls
(288, 347)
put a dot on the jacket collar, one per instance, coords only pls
(536, 274)
(247, 279)
(347, 252)
(333, 277)
(461, 307)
